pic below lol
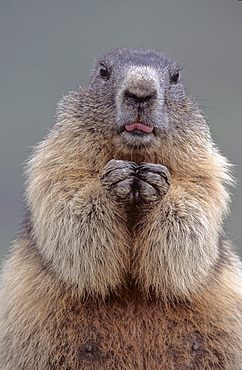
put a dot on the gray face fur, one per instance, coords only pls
(136, 84)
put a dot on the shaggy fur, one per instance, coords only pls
(122, 263)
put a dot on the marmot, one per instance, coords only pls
(123, 263)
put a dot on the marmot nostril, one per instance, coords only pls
(139, 98)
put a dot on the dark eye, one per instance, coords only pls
(104, 73)
(175, 77)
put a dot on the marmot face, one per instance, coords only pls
(138, 84)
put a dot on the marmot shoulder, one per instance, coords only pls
(123, 263)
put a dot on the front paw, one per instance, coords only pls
(118, 178)
(152, 182)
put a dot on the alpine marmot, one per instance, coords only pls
(122, 262)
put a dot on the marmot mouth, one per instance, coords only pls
(139, 126)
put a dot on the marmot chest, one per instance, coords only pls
(135, 335)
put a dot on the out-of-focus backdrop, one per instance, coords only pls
(47, 48)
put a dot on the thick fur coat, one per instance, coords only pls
(122, 263)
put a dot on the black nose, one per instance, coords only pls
(139, 99)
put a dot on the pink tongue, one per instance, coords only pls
(139, 126)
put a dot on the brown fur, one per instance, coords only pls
(122, 263)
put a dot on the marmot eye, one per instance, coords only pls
(175, 77)
(104, 73)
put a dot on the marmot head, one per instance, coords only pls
(136, 85)
(134, 100)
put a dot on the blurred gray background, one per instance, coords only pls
(47, 48)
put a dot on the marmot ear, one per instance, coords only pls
(175, 77)
(103, 71)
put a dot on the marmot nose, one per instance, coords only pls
(139, 98)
